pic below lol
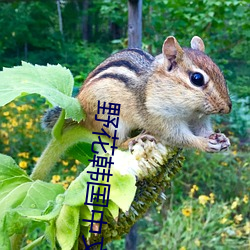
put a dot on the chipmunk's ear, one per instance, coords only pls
(197, 43)
(171, 49)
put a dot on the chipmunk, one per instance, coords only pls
(170, 96)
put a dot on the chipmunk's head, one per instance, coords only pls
(197, 75)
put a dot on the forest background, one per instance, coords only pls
(207, 205)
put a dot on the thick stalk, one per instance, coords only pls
(57, 147)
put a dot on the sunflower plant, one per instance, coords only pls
(29, 201)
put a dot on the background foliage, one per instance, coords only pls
(92, 30)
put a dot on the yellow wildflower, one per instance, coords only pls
(247, 227)
(238, 233)
(224, 164)
(73, 168)
(245, 199)
(187, 211)
(23, 107)
(35, 159)
(6, 149)
(65, 185)
(65, 163)
(14, 123)
(70, 178)
(238, 218)
(55, 178)
(235, 203)
(193, 190)
(24, 154)
(234, 152)
(12, 105)
(29, 124)
(6, 113)
(197, 242)
(223, 220)
(223, 235)
(203, 199)
(183, 248)
(23, 164)
(77, 162)
(6, 141)
(211, 195)
(4, 134)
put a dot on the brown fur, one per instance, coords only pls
(156, 94)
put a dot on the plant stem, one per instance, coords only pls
(57, 146)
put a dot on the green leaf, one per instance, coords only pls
(9, 168)
(4, 240)
(53, 82)
(67, 226)
(14, 198)
(20, 197)
(50, 234)
(122, 189)
(6, 186)
(27, 201)
(14, 223)
(75, 195)
(82, 152)
(44, 217)
(85, 214)
(113, 209)
(40, 193)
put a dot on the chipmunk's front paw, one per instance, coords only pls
(218, 142)
(141, 139)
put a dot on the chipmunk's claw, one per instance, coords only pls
(218, 142)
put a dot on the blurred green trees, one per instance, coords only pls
(93, 29)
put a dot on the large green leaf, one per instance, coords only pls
(76, 193)
(9, 168)
(40, 193)
(6, 186)
(122, 189)
(21, 198)
(82, 152)
(67, 226)
(53, 82)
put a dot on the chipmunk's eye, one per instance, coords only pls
(197, 79)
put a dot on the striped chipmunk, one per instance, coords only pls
(168, 97)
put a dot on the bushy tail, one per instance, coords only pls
(50, 118)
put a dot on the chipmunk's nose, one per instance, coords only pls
(227, 108)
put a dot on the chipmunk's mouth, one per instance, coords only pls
(224, 108)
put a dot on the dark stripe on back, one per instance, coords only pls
(142, 53)
(118, 77)
(118, 63)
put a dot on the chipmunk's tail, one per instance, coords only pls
(50, 117)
